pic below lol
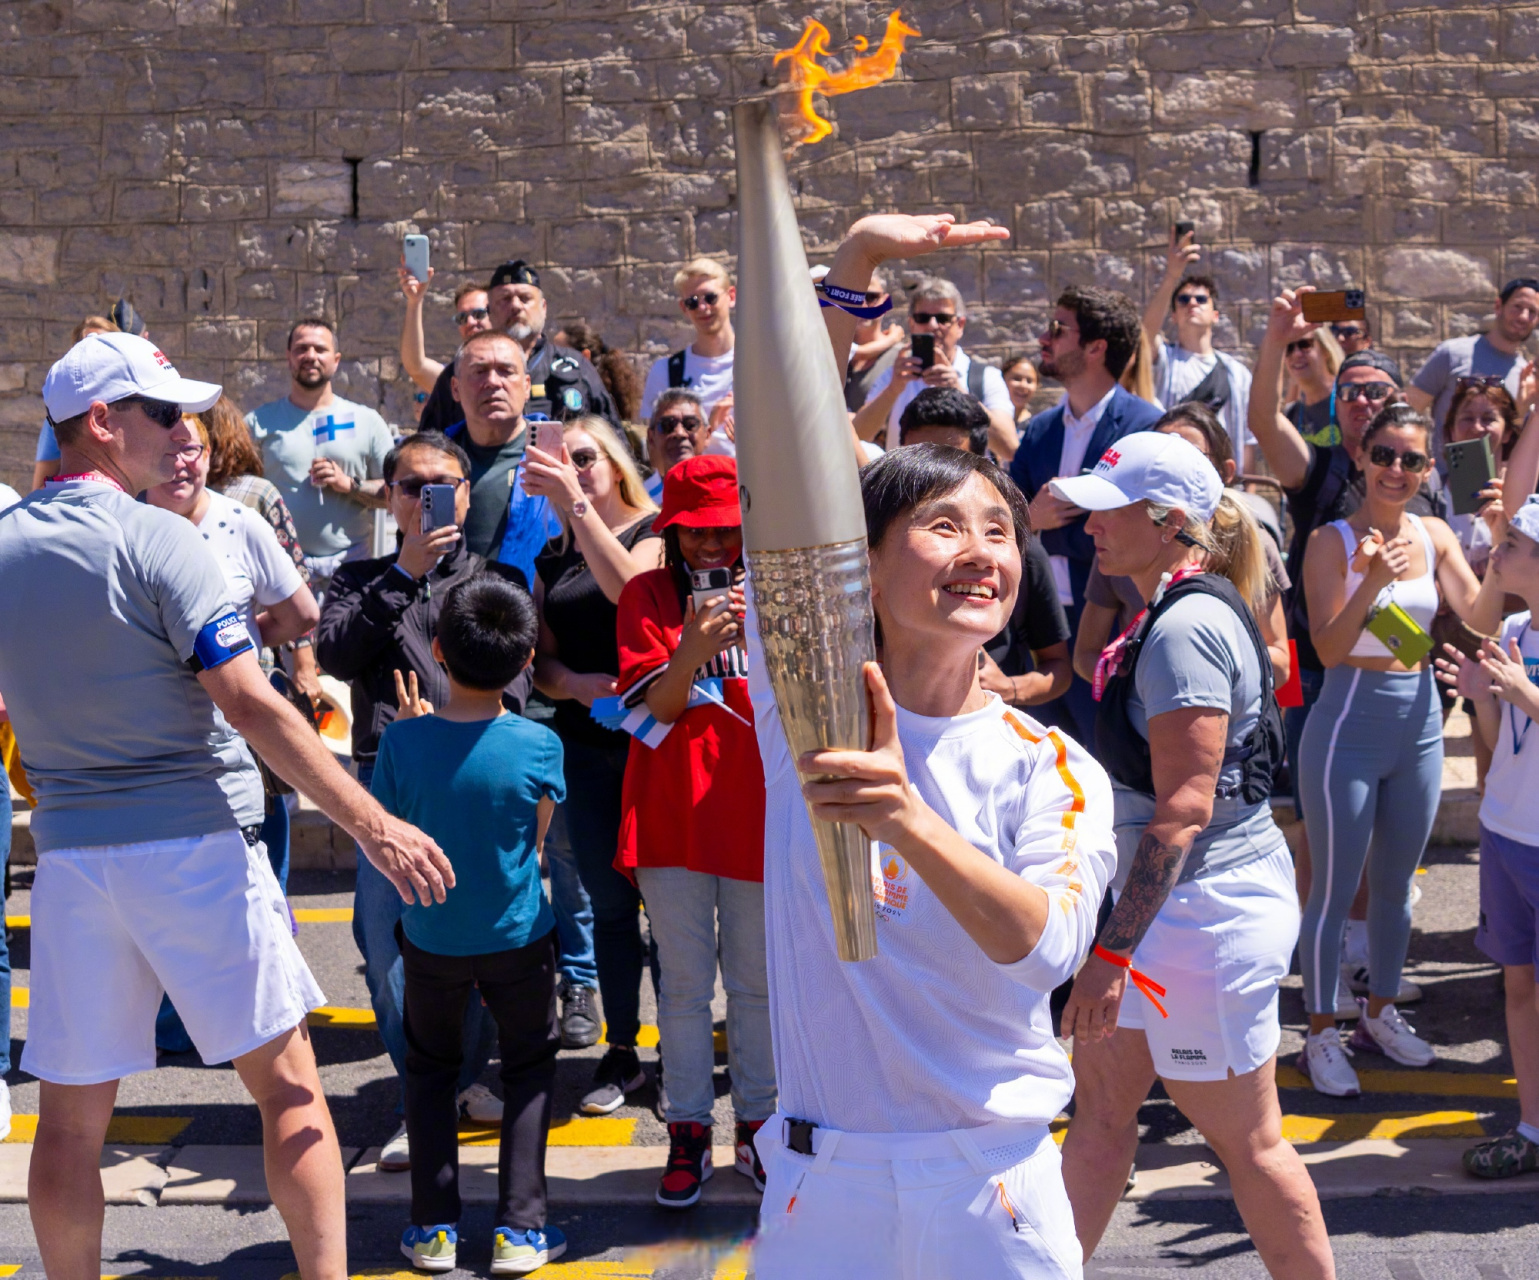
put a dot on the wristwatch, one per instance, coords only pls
(579, 508)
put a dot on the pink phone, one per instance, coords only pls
(549, 437)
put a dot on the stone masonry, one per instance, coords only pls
(230, 164)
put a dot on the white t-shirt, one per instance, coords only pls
(995, 394)
(709, 377)
(8, 497)
(931, 1034)
(1512, 781)
(1179, 372)
(257, 570)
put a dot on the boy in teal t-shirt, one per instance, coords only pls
(483, 783)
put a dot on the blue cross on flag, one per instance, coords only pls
(326, 428)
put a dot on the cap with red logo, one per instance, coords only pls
(114, 366)
(1147, 466)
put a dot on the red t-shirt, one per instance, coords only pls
(696, 800)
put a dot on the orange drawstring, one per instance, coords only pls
(1142, 981)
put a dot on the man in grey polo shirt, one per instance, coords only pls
(132, 682)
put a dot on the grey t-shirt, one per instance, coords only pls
(1457, 358)
(290, 438)
(1199, 655)
(104, 597)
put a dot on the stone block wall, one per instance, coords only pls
(230, 164)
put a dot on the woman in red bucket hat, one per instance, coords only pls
(692, 815)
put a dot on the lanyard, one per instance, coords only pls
(1111, 656)
(95, 477)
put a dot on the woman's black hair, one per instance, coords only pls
(1395, 413)
(899, 481)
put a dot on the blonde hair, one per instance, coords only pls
(633, 491)
(1232, 540)
(1331, 356)
(1138, 377)
(700, 267)
(92, 324)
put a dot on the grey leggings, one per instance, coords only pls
(1372, 770)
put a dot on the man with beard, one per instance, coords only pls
(1088, 343)
(325, 454)
(562, 383)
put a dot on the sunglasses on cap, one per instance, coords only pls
(1412, 461)
(413, 488)
(939, 317)
(1370, 391)
(1486, 382)
(1183, 299)
(471, 313)
(692, 303)
(668, 425)
(1301, 344)
(161, 412)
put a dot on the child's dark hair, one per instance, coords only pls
(1395, 413)
(899, 481)
(487, 629)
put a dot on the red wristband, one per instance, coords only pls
(1143, 982)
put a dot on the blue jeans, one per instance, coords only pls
(5, 951)
(573, 911)
(376, 910)
(275, 835)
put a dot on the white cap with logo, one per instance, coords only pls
(1148, 466)
(114, 366)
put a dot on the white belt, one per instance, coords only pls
(970, 1144)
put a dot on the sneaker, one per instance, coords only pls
(480, 1104)
(395, 1155)
(746, 1155)
(579, 1018)
(619, 1073)
(1391, 1035)
(689, 1165)
(1324, 1061)
(430, 1248)
(1357, 980)
(1503, 1157)
(517, 1253)
(5, 1111)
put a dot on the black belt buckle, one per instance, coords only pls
(799, 1136)
(252, 835)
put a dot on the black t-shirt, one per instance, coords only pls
(1038, 620)
(582, 619)
(493, 469)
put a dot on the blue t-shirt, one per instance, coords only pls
(474, 788)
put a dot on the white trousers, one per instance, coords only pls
(972, 1204)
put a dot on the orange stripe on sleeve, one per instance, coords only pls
(1069, 780)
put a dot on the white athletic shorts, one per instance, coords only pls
(114, 926)
(972, 1204)
(1219, 946)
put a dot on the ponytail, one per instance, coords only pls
(1235, 550)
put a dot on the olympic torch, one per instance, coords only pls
(804, 527)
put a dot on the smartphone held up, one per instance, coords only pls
(437, 504)
(414, 255)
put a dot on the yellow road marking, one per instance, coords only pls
(330, 1015)
(550, 1271)
(16, 922)
(574, 1131)
(323, 915)
(647, 1037)
(128, 1131)
(1390, 1124)
(1437, 1084)
(9, 1269)
(21, 998)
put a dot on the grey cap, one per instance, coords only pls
(1372, 360)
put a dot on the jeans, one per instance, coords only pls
(519, 987)
(376, 912)
(684, 907)
(569, 902)
(5, 951)
(594, 776)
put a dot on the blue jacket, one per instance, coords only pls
(1036, 462)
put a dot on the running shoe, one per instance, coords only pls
(1357, 980)
(580, 1026)
(1324, 1061)
(395, 1155)
(480, 1104)
(517, 1253)
(1503, 1157)
(746, 1155)
(430, 1248)
(689, 1165)
(1346, 1002)
(619, 1073)
(1391, 1035)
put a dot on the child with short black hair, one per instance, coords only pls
(483, 782)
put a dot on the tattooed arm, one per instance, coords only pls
(1186, 748)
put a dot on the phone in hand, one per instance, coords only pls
(1471, 468)
(1400, 633)
(1183, 229)
(707, 585)
(437, 507)
(414, 251)
(922, 347)
(549, 437)
(1331, 308)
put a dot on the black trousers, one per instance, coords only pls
(519, 988)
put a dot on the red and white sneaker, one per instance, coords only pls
(689, 1165)
(747, 1155)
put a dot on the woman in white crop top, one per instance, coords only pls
(1371, 759)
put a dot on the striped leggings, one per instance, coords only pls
(1371, 762)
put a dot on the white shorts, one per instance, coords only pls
(915, 1206)
(114, 926)
(1219, 946)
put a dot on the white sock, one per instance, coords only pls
(1354, 948)
(1531, 1132)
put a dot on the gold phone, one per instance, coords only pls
(1329, 308)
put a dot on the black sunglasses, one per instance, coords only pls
(692, 303)
(940, 318)
(413, 488)
(1201, 299)
(1371, 391)
(1412, 461)
(161, 412)
(473, 313)
(584, 458)
(667, 426)
(1486, 382)
(1348, 330)
(1057, 328)
(873, 296)
(1301, 344)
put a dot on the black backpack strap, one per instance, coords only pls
(676, 369)
(1215, 390)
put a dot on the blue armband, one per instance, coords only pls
(218, 642)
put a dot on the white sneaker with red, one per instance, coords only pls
(689, 1165)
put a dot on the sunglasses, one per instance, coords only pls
(584, 458)
(1301, 344)
(413, 488)
(1371, 391)
(1486, 382)
(1056, 329)
(161, 412)
(668, 425)
(1412, 461)
(940, 318)
(873, 296)
(472, 313)
(692, 303)
(1348, 330)
(1184, 299)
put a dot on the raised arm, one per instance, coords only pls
(1180, 254)
(1284, 449)
(414, 358)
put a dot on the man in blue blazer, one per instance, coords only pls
(1089, 342)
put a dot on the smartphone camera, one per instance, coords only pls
(437, 506)
(922, 348)
(707, 585)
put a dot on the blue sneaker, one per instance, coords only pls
(517, 1253)
(430, 1248)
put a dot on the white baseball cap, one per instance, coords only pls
(1147, 465)
(114, 366)
(1526, 518)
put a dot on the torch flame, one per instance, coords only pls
(809, 76)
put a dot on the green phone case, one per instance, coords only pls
(1400, 634)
